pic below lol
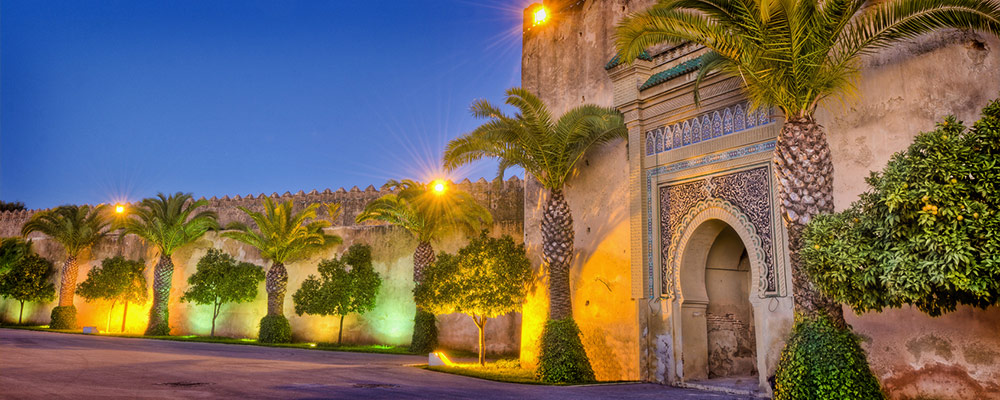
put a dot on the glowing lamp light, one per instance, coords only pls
(439, 186)
(312, 344)
(540, 15)
(119, 208)
(438, 358)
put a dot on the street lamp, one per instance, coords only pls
(439, 187)
(541, 15)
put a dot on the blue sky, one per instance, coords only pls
(102, 101)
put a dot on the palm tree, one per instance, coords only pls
(548, 151)
(284, 236)
(429, 211)
(77, 229)
(793, 54)
(168, 223)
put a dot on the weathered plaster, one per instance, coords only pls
(563, 63)
(902, 91)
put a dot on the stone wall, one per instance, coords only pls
(391, 322)
(563, 63)
(901, 91)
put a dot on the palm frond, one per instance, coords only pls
(547, 150)
(170, 222)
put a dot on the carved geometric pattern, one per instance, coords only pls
(696, 128)
(706, 130)
(710, 125)
(748, 191)
(680, 166)
(740, 119)
(674, 203)
(687, 133)
(660, 142)
(717, 124)
(714, 208)
(650, 143)
(727, 122)
(677, 135)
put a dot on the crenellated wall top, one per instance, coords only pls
(504, 199)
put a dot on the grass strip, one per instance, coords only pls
(500, 371)
(379, 349)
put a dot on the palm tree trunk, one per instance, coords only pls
(422, 258)
(804, 170)
(276, 285)
(159, 314)
(557, 252)
(67, 286)
(424, 337)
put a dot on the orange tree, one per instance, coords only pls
(429, 212)
(486, 279)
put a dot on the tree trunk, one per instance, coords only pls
(108, 328)
(557, 252)
(340, 333)
(20, 313)
(124, 316)
(804, 170)
(159, 313)
(215, 314)
(422, 258)
(276, 285)
(481, 324)
(67, 286)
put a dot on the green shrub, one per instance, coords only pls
(161, 329)
(63, 317)
(927, 231)
(425, 332)
(275, 329)
(820, 361)
(562, 358)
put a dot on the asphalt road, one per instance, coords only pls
(48, 365)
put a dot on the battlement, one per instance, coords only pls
(504, 199)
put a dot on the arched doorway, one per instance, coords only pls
(717, 326)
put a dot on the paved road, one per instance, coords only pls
(52, 365)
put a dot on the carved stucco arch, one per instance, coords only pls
(722, 210)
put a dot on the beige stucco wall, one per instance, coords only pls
(563, 63)
(391, 322)
(904, 91)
